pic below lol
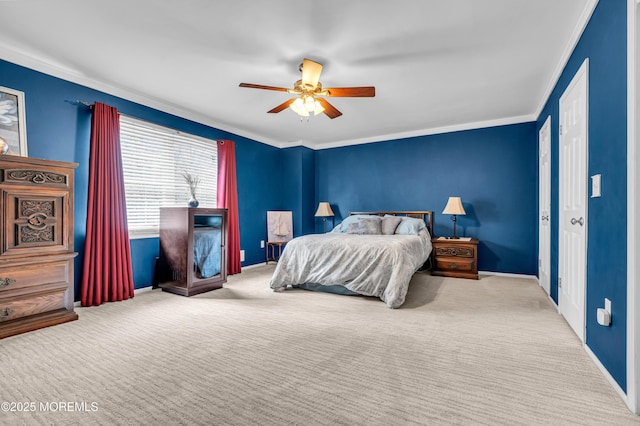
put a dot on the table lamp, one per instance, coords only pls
(454, 207)
(324, 211)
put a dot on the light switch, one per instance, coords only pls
(595, 186)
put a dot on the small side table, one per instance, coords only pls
(455, 257)
(270, 253)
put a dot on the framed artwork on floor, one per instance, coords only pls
(13, 128)
(279, 226)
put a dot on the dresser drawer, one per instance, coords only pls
(455, 264)
(27, 306)
(27, 278)
(36, 176)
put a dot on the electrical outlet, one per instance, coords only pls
(241, 255)
(261, 243)
(596, 186)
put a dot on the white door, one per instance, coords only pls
(572, 224)
(544, 237)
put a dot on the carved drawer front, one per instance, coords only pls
(23, 307)
(456, 251)
(35, 177)
(35, 222)
(453, 264)
(27, 278)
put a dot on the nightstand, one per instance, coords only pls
(455, 257)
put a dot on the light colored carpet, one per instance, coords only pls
(459, 352)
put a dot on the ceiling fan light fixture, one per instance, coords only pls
(319, 109)
(308, 87)
(309, 103)
(298, 107)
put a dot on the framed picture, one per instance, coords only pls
(12, 121)
(279, 226)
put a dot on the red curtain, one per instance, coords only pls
(106, 275)
(228, 199)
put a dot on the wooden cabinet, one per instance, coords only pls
(455, 257)
(191, 239)
(36, 244)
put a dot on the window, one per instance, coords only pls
(154, 159)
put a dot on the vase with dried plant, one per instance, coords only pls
(193, 182)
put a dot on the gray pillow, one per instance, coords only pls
(365, 226)
(389, 224)
(342, 226)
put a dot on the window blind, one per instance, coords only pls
(154, 159)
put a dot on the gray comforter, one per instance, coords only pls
(371, 265)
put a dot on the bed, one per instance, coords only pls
(368, 253)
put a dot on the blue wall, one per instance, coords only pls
(58, 130)
(604, 42)
(296, 181)
(493, 170)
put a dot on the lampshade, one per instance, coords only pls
(324, 209)
(454, 206)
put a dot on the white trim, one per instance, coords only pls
(78, 304)
(589, 7)
(606, 374)
(424, 132)
(508, 275)
(255, 265)
(633, 200)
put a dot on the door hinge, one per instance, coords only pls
(559, 282)
(539, 262)
(561, 130)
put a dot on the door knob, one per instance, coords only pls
(579, 221)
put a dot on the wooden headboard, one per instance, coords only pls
(426, 215)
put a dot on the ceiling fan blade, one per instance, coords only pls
(282, 106)
(260, 86)
(310, 73)
(352, 92)
(329, 109)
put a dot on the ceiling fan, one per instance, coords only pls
(310, 93)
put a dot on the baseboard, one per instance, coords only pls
(150, 287)
(606, 374)
(255, 265)
(135, 291)
(506, 274)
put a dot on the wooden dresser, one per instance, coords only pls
(36, 244)
(455, 257)
(177, 268)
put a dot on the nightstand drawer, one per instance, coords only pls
(453, 264)
(455, 251)
(457, 258)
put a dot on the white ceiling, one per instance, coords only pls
(437, 65)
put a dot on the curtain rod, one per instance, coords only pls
(78, 103)
(90, 106)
